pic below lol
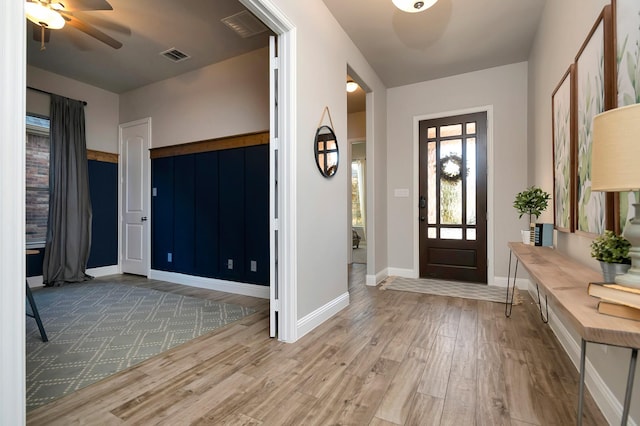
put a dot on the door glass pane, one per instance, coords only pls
(431, 186)
(451, 130)
(451, 233)
(431, 132)
(471, 128)
(471, 234)
(451, 169)
(431, 233)
(471, 181)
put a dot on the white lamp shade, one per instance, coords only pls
(414, 6)
(616, 150)
(42, 15)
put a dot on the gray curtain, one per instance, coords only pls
(69, 229)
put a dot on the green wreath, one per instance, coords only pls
(452, 161)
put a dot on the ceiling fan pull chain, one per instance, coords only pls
(42, 46)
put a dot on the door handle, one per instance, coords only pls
(423, 202)
(143, 219)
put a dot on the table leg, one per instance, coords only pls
(583, 356)
(508, 304)
(627, 395)
(36, 314)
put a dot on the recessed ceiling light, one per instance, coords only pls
(413, 6)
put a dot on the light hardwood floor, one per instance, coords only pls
(390, 358)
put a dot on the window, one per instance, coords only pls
(37, 180)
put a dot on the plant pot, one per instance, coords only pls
(526, 237)
(610, 270)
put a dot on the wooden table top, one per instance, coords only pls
(565, 283)
(32, 251)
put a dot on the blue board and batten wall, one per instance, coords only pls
(210, 214)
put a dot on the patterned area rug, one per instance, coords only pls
(97, 329)
(450, 288)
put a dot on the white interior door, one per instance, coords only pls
(274, 305)
(135, 141)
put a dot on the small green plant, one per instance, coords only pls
(611, 248)
(532, 201)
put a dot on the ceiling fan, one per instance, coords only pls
(48, 15)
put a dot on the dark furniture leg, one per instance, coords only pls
(35, 314)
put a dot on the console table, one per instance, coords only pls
(564, 283)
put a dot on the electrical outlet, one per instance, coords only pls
(155, 192)
(230, 264)
(254, 266)
(169, 257)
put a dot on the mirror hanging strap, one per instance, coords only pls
(326, 110)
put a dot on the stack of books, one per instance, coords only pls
(617, 300)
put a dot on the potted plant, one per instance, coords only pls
(613, 253)
(532, 201)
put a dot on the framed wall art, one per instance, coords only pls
(562, 119)
(626, 23)
(595, 86)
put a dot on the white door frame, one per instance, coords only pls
(273, 17)
(416, 182)
(122, 194)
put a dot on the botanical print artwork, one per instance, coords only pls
(628, 72)
(590, 79)
(562, 154)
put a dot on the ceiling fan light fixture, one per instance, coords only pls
(413, 6)
(43, 16)
(352, 86)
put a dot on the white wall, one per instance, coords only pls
(101, 111)
(505, 89)
(223, 99)
(564, 27)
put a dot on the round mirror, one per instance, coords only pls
(326, 150)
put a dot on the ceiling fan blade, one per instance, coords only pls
(91, 30)
(71, 5)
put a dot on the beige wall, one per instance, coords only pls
(227, 98)
(357, 126)
(101, 112)
(564, 26)
(505, 90)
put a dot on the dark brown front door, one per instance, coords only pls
(453, 198)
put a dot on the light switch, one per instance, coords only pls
(169, 257)
(254, 266)
(154, 192)
(401, 192)
(230, 264)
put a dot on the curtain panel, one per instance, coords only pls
(69, 223)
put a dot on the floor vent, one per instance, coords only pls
(244, 24)
(175, 55)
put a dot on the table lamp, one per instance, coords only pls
(615, 167)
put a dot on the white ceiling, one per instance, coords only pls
(453, 37)
(450, 38)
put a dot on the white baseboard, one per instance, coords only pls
(103, 271)
(603, 396)
(402, 272)
(320, 315)
(521, 283)
(373, 280)
(254, 290)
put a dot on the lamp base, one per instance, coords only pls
(632, 233)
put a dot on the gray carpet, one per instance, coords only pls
(449, 288)
(96, 329)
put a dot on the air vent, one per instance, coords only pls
(175, 55)
(244, 24)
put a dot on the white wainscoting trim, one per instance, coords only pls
(603, 396)
(521, 283)
(211, 284)
(403, 272)
(320, 315)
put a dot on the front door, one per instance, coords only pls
(135, 141)
(453, 198)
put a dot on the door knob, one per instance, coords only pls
(143, 219)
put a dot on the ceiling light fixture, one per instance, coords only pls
(352, 86)
(42, 15)
(413, 6)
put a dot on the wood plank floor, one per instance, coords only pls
(390, 358)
